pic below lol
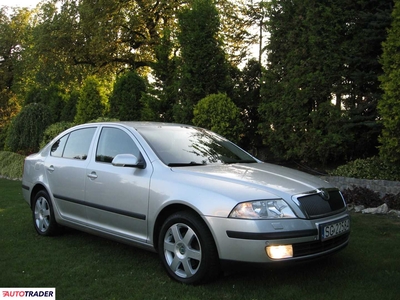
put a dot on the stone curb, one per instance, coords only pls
(382, 187)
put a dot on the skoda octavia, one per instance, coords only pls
(184, 192)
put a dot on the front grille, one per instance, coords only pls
(315, 206)
(309, 248)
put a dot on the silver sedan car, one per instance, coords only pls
(184, 192)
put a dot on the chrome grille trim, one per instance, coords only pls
(315, 205)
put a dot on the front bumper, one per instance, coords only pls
(246, 240)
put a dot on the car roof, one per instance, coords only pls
(141, 124)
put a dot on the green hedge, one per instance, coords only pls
(370, 168)
(11, 164)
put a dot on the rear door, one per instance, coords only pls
(117, 197)
(66, 172)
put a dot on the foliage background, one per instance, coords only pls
(321, 91)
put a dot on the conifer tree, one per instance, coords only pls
(125, 101)
(389, 105)
(92, 102)
(204, 68)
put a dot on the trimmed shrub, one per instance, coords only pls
(218, 113)
(369, 168)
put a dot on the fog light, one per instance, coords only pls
(281, 251)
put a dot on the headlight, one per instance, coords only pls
(262, 209)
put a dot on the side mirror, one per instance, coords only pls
(128, 160)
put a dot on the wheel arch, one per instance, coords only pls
(169, 210)
(37, 188)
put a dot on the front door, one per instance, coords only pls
(117, 197)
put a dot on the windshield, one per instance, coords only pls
(187, 146)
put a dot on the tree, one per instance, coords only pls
(105, 35)
(163, 93)
(9, 108)
(125, 101)
(115, 34)
(316, 57)
(218, 113)
(236, 30)
(53, 96)
(302, 69)
(27, 128)
(13, 31)
(107, 38)
(204, 70)
(69, 111)
(247, 98)
(360, 90)
(92, 102)
(255, 14)
(54, 63)
(389, 105)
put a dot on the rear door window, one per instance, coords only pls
(74, 145)
(58, 147)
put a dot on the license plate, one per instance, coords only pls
(333, 229)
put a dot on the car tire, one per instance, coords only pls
(187, 249)
(43, 215)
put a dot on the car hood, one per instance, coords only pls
(275, 179)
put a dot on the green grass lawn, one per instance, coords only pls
(82, 266)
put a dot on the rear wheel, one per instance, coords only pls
(43, 215)
(187, 249)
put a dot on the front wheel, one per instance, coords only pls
(187, 249)
(43, 215)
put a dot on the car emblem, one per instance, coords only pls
(324, 194)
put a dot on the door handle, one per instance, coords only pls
(50, 168)
(92, 175)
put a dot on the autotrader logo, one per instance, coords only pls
(28, 293)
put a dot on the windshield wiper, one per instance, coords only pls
(192, 163)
